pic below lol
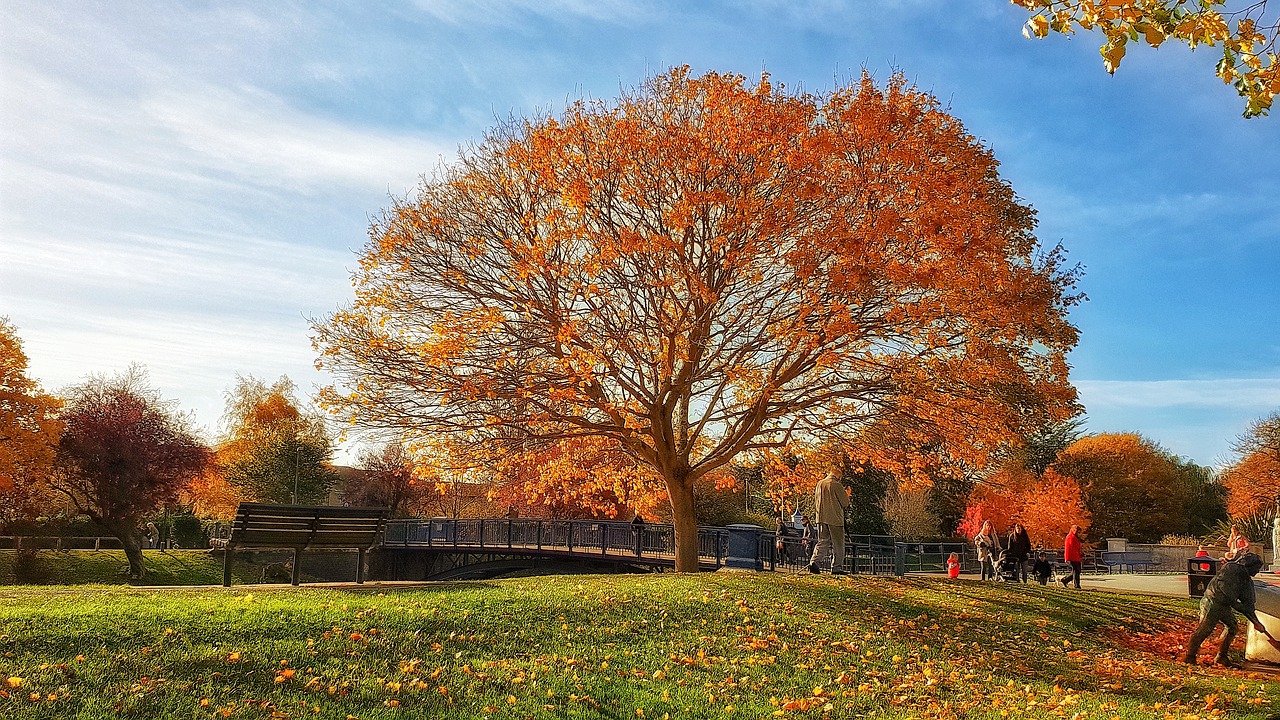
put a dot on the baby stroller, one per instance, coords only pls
(1006, 568)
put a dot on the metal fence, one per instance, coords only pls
(579, 537)
(55, 542)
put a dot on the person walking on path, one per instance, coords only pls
(808, 536)
(830, 500)
(987, 543)
(1073, 553)
(1020, 549)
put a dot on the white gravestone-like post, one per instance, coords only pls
(1275, 544)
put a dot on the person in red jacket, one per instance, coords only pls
(1073, 553)
(953, 566)
(1202, 553)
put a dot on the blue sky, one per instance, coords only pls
(185, 184)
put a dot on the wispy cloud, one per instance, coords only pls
(1241, 393)
(506, 12)
(252, 134)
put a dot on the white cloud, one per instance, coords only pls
(1241, 393)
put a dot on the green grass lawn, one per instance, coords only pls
(654, 646)
(106, 567)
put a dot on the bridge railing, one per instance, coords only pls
(651, 540)
(864, 554)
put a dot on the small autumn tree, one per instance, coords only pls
(1049, 506)
(1244, 29)
(907, 512)
(1046, 503)
(29, 430)
(996, 505)
(1253, 481)
(123, 454)
(705, 268)
(275, 449)
(388, 480)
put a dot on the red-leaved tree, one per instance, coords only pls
(124, 452)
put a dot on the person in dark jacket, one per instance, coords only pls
(808, 535)
(1231, 589)
(787, 542)
(1019, 547)
(1042, 569)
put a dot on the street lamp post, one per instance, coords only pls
(297, 452)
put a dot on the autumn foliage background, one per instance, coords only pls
(689, 304)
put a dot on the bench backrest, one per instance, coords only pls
(1126, 555)
(304, 527)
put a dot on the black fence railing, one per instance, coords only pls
(57, 542)
(652, 541)
(864, 554)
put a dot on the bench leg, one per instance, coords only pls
(360, 568)
(226, 565)
(297, 567)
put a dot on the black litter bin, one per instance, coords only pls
(1200, 571)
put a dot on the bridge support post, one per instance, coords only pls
(227, 553)
(744, 547)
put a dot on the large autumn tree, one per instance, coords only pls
(275, 448)
(123, 454)
(704, 268)
(1245, 31)
(29, 430)
(1134, 488)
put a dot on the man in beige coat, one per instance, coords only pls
(831, 499)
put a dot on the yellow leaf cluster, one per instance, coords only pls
(1244, 30)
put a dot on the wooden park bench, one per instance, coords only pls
(259, 526)
(1132, 560)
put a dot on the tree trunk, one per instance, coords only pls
(685, 524)
(133, 551)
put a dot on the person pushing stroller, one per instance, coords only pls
(1007, 567)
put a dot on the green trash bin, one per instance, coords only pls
(1200, 571)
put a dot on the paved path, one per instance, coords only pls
(1174, 585)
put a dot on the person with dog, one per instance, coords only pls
(1019, 545)
(1231, 589)
(830, 499)
(987, 543)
